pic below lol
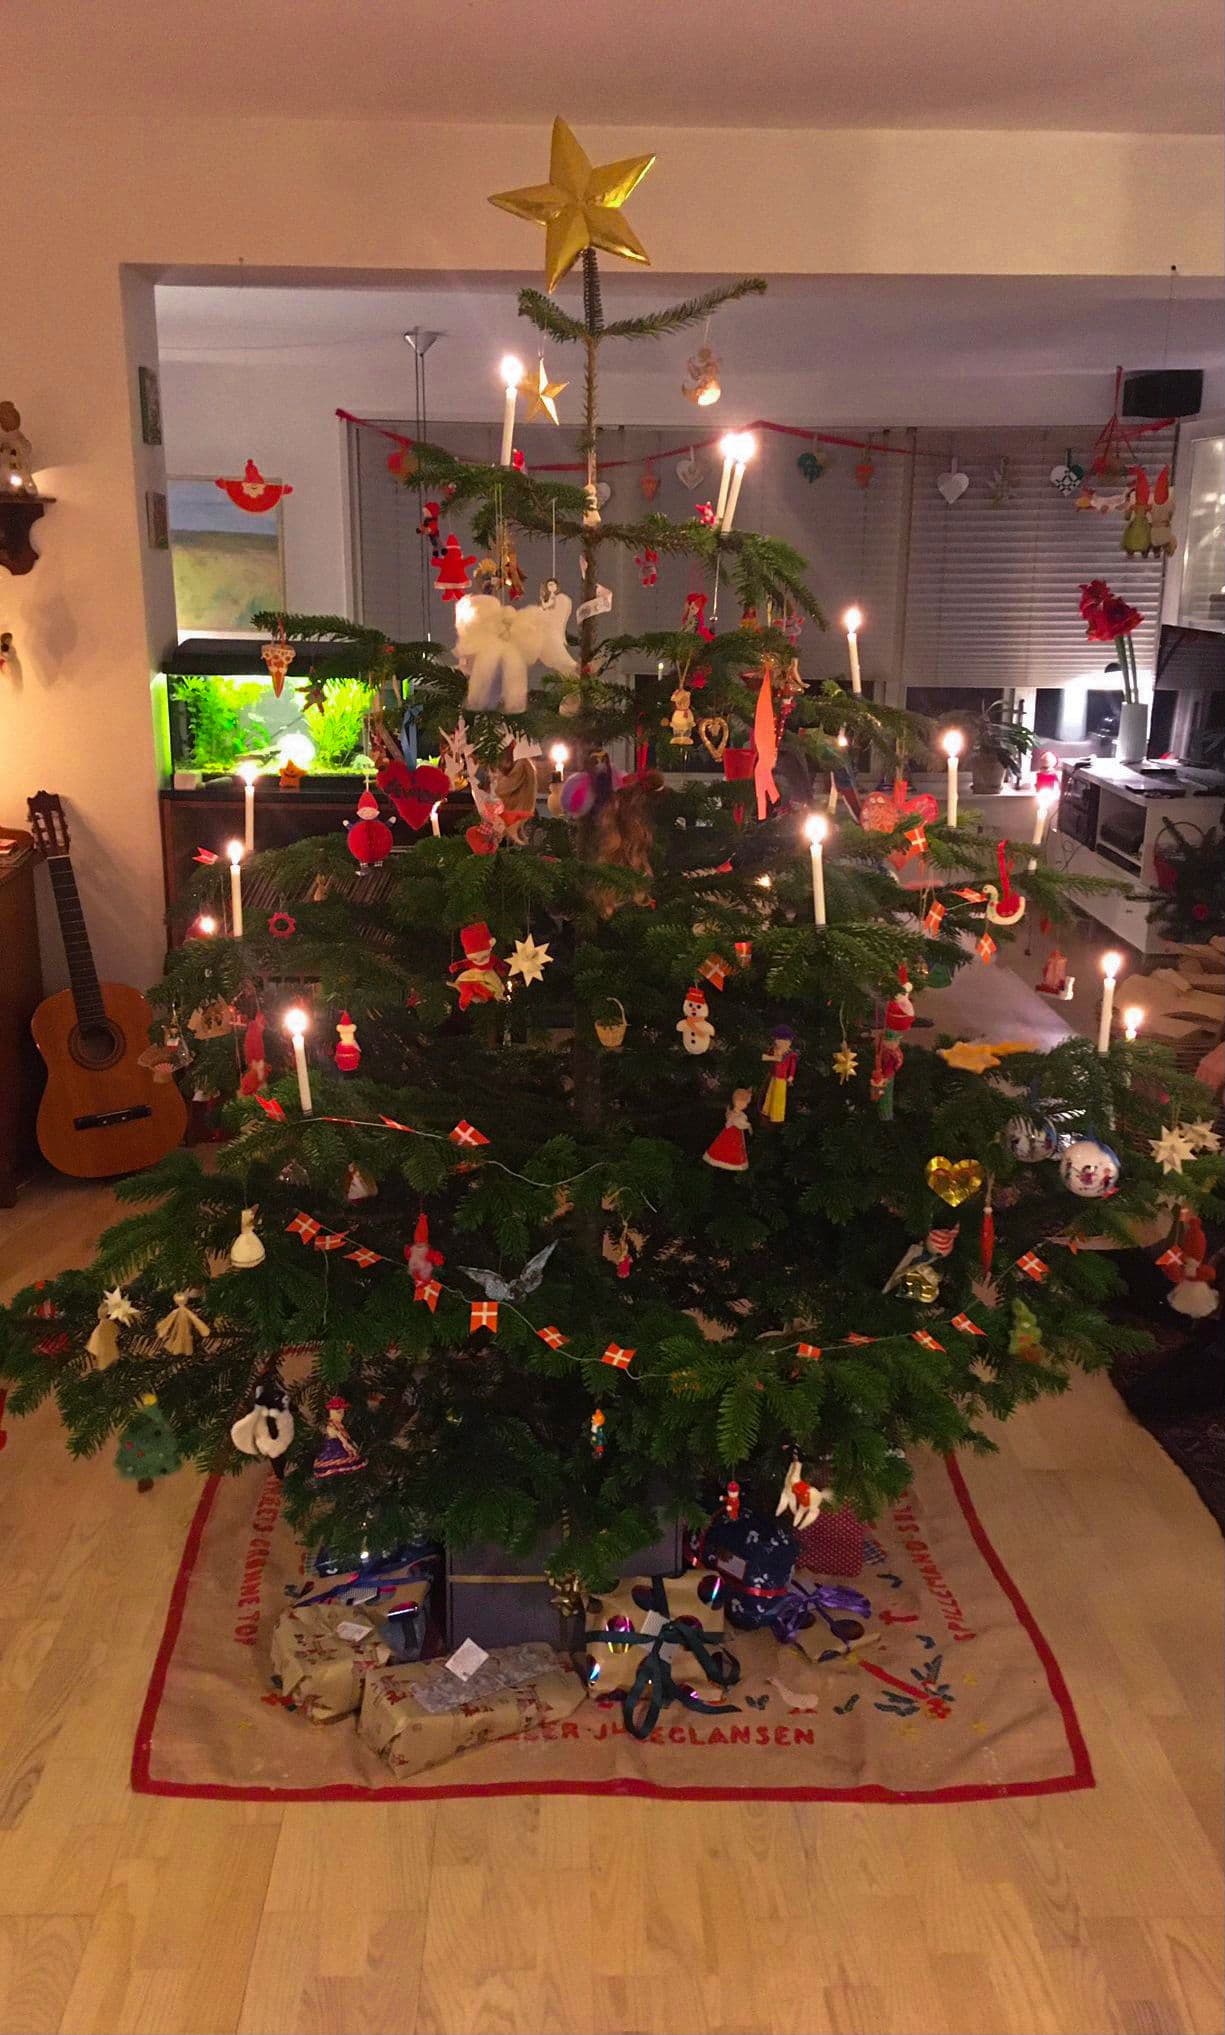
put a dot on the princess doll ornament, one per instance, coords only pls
(339, 1454)
(730, 1150)
(782, 1061)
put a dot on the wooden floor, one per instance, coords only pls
(1098, 1911)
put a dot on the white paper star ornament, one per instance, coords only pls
(529, 960)
(1172, 1148)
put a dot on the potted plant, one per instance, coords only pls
(998, 746)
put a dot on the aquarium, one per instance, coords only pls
(221, 710)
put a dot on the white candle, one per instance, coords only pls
(1133, 1018)
(235, 853)
(512, 374)
(1111, 964)
(296, 1022)
(951, 744)
(816, 827)
(742, 445)
(725, 447)
(248, 772)
(852, 622)
(832, 806)
(435, 829)
(1043, 807)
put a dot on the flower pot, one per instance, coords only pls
(987, 770)
(1133, 732)
(737, 763)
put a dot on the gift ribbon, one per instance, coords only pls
(654, 1685)
(379, 1577)
(801, 1608)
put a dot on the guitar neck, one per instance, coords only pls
(82, 974)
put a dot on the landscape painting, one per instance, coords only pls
(227, 563)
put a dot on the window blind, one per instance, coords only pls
(992, 591)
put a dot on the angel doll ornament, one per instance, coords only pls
(178, 1330)
(730, 1150)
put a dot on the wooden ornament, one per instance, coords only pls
(714, 735)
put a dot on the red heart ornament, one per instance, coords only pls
(413, 793)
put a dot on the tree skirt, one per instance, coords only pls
(959, 1699)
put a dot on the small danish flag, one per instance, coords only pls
(1033, 1266)
(986, 948)
(714, 969)
(928, 1342)
(1172, 1260)
(931, 924)
(972, 896)
(917, 837)
(427, 1290)
(271, 1107)
(619, 1359)
(332, 1242)
(361, 1256)
(466, 1134)
(484, 1314)
(812, 1350)
(305, 1227)
(390, 1124)
(861, 1338)
(963, 1323)
(553, 1337)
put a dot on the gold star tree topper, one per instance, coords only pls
(580, 206)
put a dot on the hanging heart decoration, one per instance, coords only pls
(689, 470)
(714, 734)
(953, 484)
(954, 1181)
(413, 793)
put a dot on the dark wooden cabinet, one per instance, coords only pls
(21, 991)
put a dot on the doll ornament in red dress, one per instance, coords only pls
(730, 1150)
(347, 1053)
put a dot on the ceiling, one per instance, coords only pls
(941, 324)
(1092, 66)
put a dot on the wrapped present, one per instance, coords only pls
(394, 1586)
(657, 1640)
(418, 1716)
(754, 1556)
(321, 1653)
(502, 1599)
(834, 1545)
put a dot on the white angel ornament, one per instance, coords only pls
(495, 643)
(178, 1329)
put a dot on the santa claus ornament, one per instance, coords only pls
(481, 976)
(369, 837)
(253, 493)
(419, 1256)
(1193, 1278)
(347, 1053)
(451, 569)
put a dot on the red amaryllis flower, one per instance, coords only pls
(1107, 615)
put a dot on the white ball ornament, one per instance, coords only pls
(1031, 1139)
(1089, 1169)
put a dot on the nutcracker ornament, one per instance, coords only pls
(729, 1152)
(782, 1062)
(481, 976)
(346, 1053)
(694, 1024)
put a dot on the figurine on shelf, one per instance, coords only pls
(781, 1060)
(16, 453)
(730, 1151)
(339, 1454)
(681, 720)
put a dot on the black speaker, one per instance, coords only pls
(1164, 392)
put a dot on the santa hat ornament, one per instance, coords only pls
(899, 1011)
(476, 941)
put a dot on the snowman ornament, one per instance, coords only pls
(694, 1026)
(1089, 1169)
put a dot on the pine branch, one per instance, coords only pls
(674, 317)
(546, 314)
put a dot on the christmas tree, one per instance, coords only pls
(608, 1172)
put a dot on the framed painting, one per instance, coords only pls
(227, 563)
(150, 406)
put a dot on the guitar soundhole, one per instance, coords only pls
(96, 1045)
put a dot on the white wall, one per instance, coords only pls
(171, 193)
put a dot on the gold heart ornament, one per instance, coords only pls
(714, 732)
(954, 1182)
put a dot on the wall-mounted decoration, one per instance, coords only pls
(254, 493)
(150, 405)
(953, 483)
(157, 524)
(228, 567)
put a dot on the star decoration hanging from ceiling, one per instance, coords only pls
(541, 394)
(580, 206)
(1172, 1148)
(529, 960)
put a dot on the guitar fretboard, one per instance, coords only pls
(82, 973)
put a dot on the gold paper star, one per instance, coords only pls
(845, 1063)
(529, 960)
(977, 1057)
(541, 394)
(1172, 1148)
(580, 206)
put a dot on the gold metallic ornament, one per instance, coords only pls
(920, 1282)
(845, 1063)
(580, 206)
(954, 1181)
(975, 1056)
(541, 395)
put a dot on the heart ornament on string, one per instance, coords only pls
(953, 484)
(954, 1181)
(714, 734)
(689, 470)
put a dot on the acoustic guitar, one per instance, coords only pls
(103, 1111)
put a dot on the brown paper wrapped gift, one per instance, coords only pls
(694, 1599)
(418, 1715)
(321, 1654)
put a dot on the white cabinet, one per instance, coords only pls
(1117, 822)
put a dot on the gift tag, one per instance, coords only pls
(466, 1659)
(600, 605)
(350, 1629)
(653, 1622)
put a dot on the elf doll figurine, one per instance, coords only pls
(480, 976)
(782, 1060)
